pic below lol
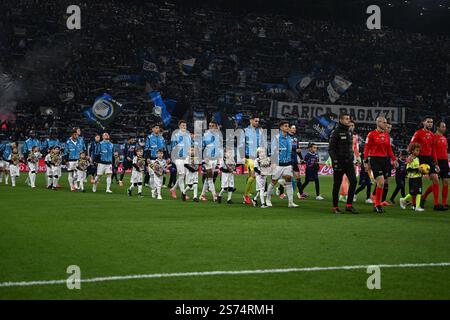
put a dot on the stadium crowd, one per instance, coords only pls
(218, 66)
(58, 72)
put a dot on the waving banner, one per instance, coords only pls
(337, 87)
(103, 111)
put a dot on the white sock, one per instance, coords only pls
(55, 181)
(13, 181)
(81, 184)
(33, 179)
(211, 186)
(158, 191)
(261, 197)
(49, 180)
(1, 176)
(289, 192)
(70, 178)
(195, 187)
(205, 186)
(269, 191)
(230, 194)
(6, 177)
(108, 182)
(96, 179)
(181, 183)
(131, 186)
(221, 192)
(151, 182)
(139, 188)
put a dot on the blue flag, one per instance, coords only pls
(103, 111)
(170, 105)
(160, 108)
(299, 82)
(323, 125)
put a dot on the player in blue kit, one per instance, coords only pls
(282, 155)
(5, 150)
(104, 163)
(181, 144)
(71, 157)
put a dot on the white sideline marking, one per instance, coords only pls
(218, 273)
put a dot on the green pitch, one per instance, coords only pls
(42, 232)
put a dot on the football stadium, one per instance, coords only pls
(191, 150)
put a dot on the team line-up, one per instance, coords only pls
(426, 155)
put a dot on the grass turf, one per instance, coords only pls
(43, 231)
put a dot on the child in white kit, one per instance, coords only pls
(82, 165)
(263, 169)
(192, 163)
(33, 165)
(14, 159)
(159, 167)
(227, 167)
(137, 172)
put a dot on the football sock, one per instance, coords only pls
(70, 178)
(108, 182)
(378, 195)
(408, 197)
(418, 200)
(195, 187)
(248, 185)
(289, 192)
(269, 191)
(230, 194)
(211, 186)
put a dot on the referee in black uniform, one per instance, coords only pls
(341, 153)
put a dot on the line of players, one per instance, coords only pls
(427, 155)
(148, 163)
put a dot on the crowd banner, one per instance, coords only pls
(310, 111)
(337, 87)
(103, 111)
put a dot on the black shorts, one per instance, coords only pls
(364, 178)
(379, 166)
(400, 179)
(415, 186)
(429, 161)
(311, 174)
(127, 165)
(444, 170)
